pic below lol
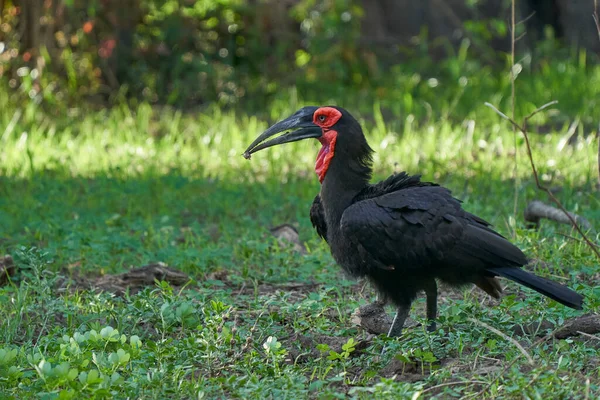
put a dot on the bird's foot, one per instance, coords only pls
(432, 326)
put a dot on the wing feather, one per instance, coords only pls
(422, 226)
(409, 227)
(317, 217)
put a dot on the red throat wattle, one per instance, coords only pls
(326, 153)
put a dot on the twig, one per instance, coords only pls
(523, 129)
(527, 18)
(505, 337)
(531, 380)
(596, 18)
(589, 335)
(512, 104)
(574, 238)
(537, 110)
(514, 360)
(587, 389)
(429, 389)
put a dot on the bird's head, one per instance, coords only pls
(340, 135)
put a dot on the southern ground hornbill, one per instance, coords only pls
(401, 233)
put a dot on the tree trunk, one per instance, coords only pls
(124, 16)
(36, 24)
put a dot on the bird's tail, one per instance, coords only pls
(555, 291)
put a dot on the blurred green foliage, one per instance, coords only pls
(183, 53)
(189, 53)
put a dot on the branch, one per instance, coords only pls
(512, 104)
(505, 337)
(596, 18)
(537, 210)
(523, 129)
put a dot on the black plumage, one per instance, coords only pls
(402, 234)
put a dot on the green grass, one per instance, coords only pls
(100, 192)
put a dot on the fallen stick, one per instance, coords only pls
(536, 210)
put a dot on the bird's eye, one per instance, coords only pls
(321, 118)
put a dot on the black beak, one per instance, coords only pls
(301, 124)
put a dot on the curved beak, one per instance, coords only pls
(300, 124)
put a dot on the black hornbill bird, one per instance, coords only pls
(401, 233)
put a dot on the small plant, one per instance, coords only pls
(347, 349)
(275, 352)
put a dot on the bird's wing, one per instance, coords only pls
(420, 226)
(317, 217)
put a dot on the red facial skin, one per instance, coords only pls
(326, 117)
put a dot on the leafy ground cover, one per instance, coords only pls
(98, 193)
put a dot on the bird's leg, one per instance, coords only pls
(431, 293)
(398, 323)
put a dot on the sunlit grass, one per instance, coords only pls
(128, 142)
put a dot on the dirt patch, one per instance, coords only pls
(297, 290)
(417, 371)
(133, 280)
(304, 347)
(138, 278)
(405, 371)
